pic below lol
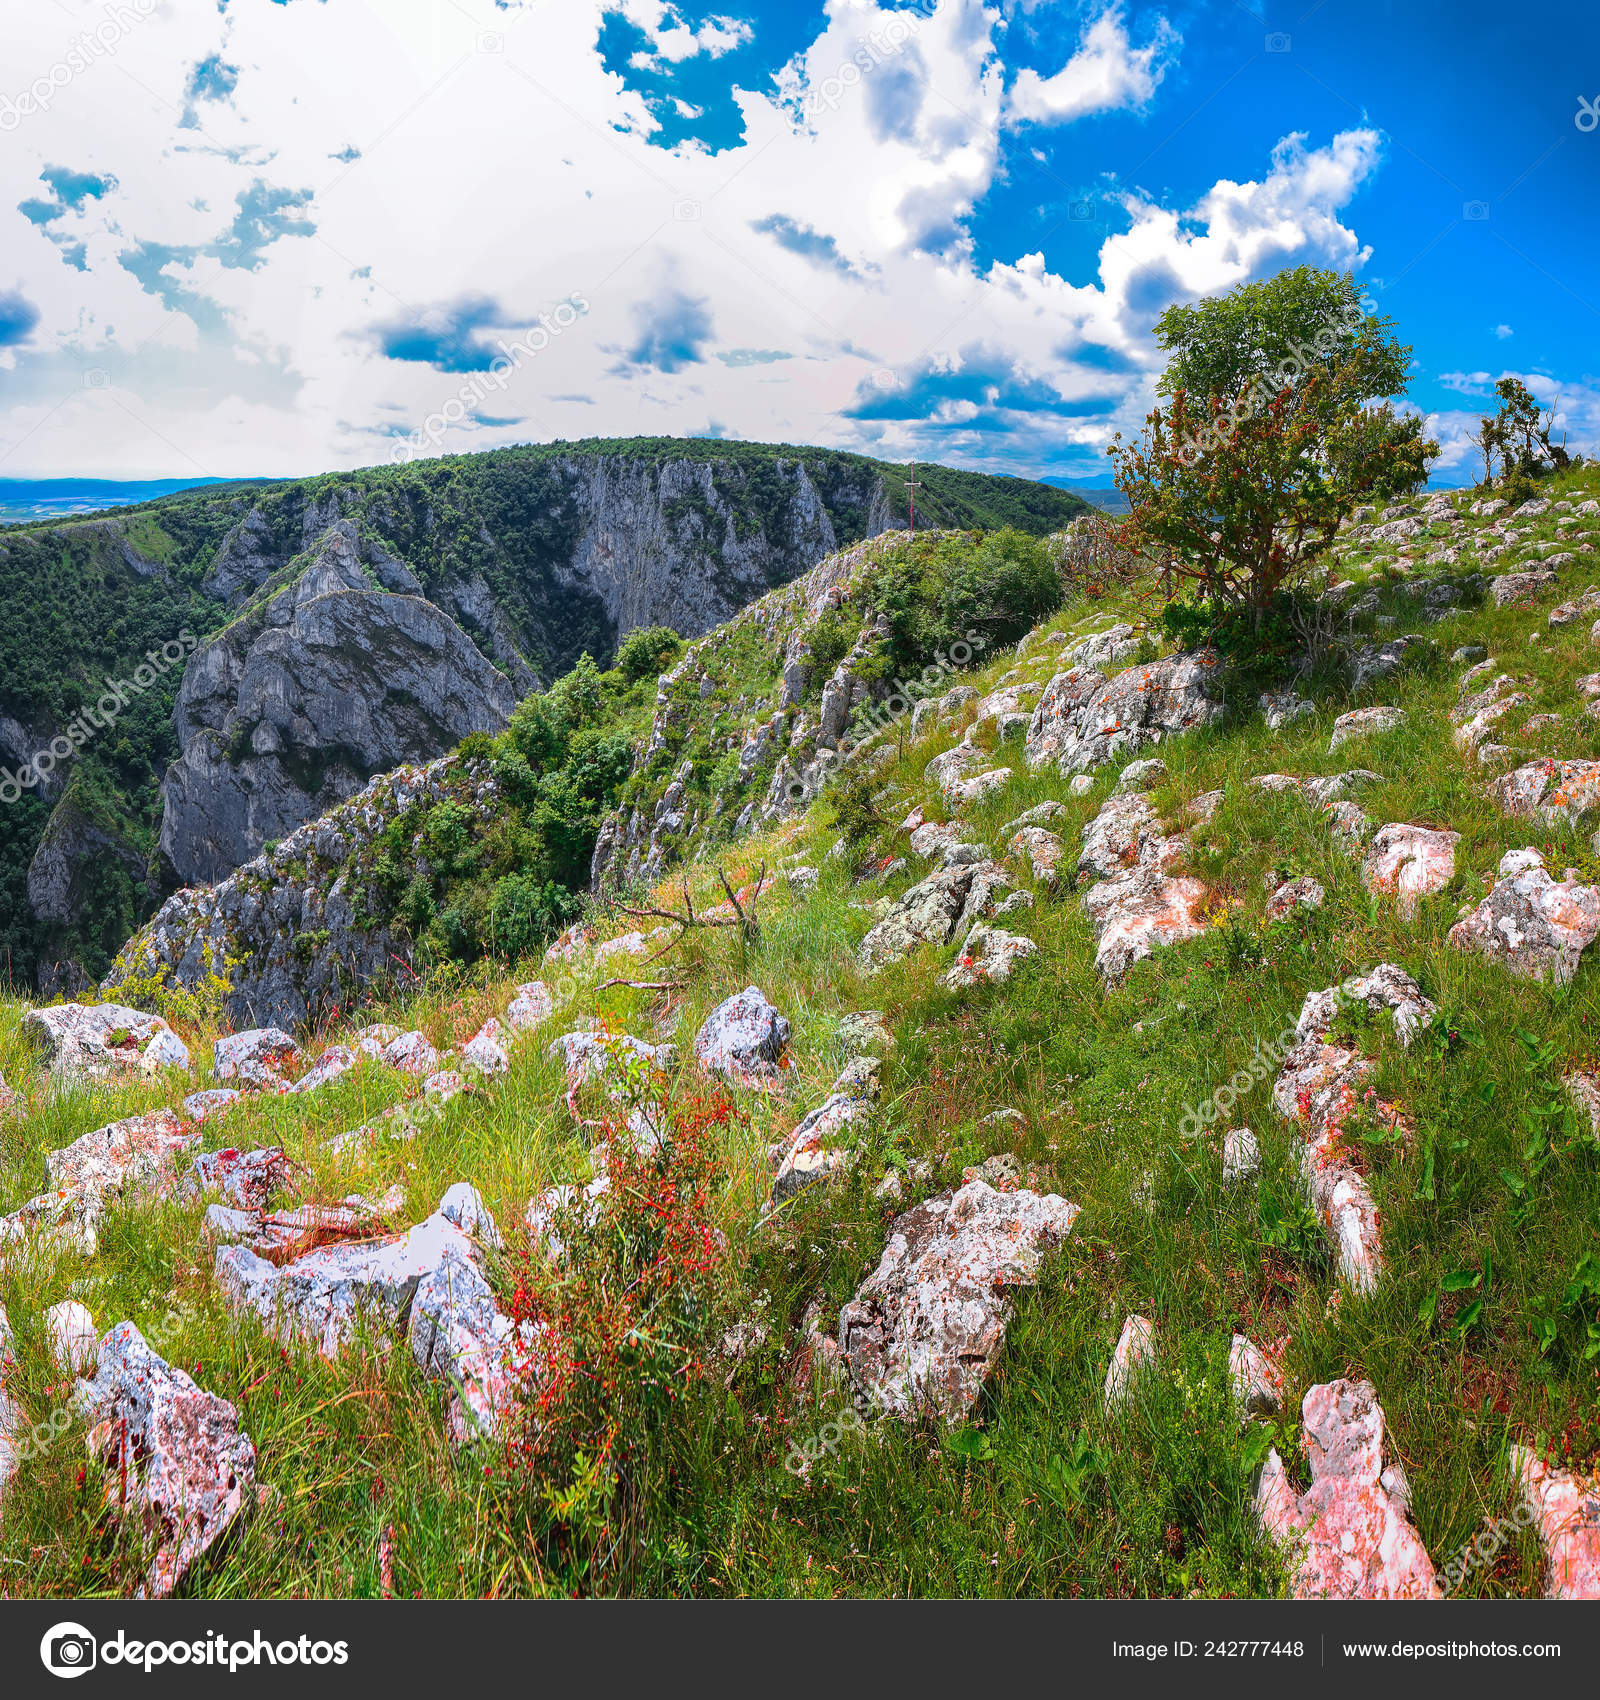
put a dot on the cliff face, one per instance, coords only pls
(312, 690)
(453, 589)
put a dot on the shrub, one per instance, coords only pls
(620, 1320)
(648, 652)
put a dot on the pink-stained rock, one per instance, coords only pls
(572, 945)
(975, 789)
(176, 1462)
(932, 838)
(1302, 893)
(1203, 807)
(214, 1101)
(1348, 823)
(532, 1005)
(1347, 1537)
(485, 1052)
(1364, 723)
(1141, 911)
(927, 1326)
(412, 1053)
(1566, 1511)
(1549, 791)
(1041, 849)
(120, 1157)
(1135, 1354)
(1256, 1381)
(743, 1038)
(1273, 782)
(988, 956)
(1410, 863)
(336, 1060)
(246, 1179)
(259, 1057)
(1537, 927)
(370, 1041)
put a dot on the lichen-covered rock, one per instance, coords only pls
(247, 1179)
(1385, 987)
(73, 1339)
(1536, 926)
(591, 1057)
(260, 1056)
(214, 1101)
(1364, 723)
(1083, 719)
(1565, 1508)
(93, 1041)
(336, 1060)
(1256, 1382)
(323, 1297)
(934, 911)
(177, 1465)
(485, 1052)
(1302, 893)
(1410, 863)
(1283, 708)
(1549, 791)
(1146, 906)
(1241, 1155)
(1512, 588)
(1345, 1538)
(988, 956)
(412, 1053)
(1042, 849)
(926, 1327)
(1135, 1354)
(532, 1005)
(1116, 839)
(743, 1037)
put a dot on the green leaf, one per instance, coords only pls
(971, 1443)
(1460, 1281)
(1425, 1310)
(1470, 1317)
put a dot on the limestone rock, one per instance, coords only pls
(94, 1041)
(988, 957)
(1513, 588)
(1537, 927)
(1083, 719)
(743, 1037)
(935, 911)
(927, 1326)
(1302, 893)
(1410, 863)
(1135, 1354)
(1565, 1508)
(1364, 723)
(258, 1057)
(1345, 1537)
(1550, 791)
(532, 1005)
(1257, 1384)
(73, 1338)
(176, 1461)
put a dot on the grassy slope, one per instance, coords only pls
(1161, 1502)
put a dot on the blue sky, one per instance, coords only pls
(283, 236)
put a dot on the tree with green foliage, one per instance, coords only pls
(648, 652)
(1276, 426)
(1521, 431)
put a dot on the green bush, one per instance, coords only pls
(646, 653)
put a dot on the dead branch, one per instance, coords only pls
(643, 985)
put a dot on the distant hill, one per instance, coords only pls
(458, 585)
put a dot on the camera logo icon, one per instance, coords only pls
(686, 212)
(490, 41)
(1476, 211)
(1278, 42)
(96, 378)
(68, 1649)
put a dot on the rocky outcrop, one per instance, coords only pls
(311, 691)
(927, 1326)
(1084, 719)
(1348, 1537)
(300, 924)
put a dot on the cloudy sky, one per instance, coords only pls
(282, 236)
